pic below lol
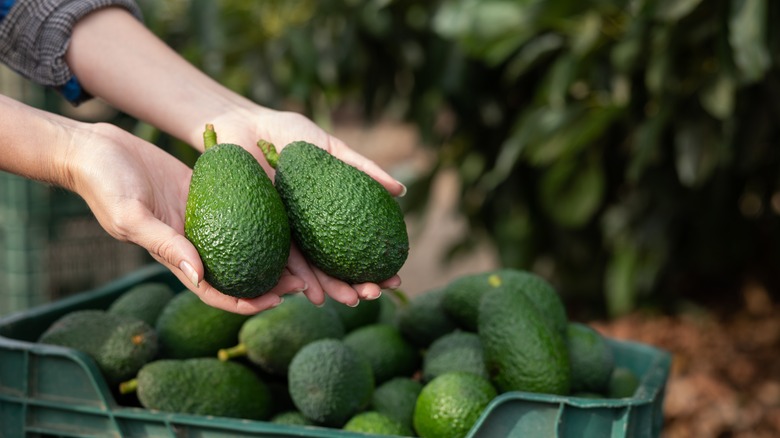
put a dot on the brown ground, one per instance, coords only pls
(725, 376)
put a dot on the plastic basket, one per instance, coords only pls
(48, 390)
(51, 246)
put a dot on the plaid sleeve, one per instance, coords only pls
(34, 36)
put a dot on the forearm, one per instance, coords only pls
(36, 144)
(117, 59)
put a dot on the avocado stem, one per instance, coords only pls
(128, 387)
(226, 354)
(209, 136)
(402, 297)
(269, 150)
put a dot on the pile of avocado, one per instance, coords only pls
(422, 365)
(427, 366)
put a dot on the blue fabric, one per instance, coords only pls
(73, 92)
(5, 6)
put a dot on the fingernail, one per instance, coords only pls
(375, 296)
(403, 189)
(355, 304)
(189, 271)
(281, 300)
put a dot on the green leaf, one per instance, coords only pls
(491, 30)
(747, 37)
(586, 33)
(674, 10)
(620, 280)
(580, 128)
(561, 75)
(696, 153)
(531, 53)
(718, 96)
(571, 191)
(659, 61)
(530, 128)
(647, 143)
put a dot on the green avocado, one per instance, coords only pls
(144, 301)
(119, 344)
(236, 220)
(522, 351)
(271, 338)
(187, 327)
(343, 220)
(329, 382)
(201, 386)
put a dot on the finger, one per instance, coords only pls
(179, 255)
(348, 155)
(393, 282)
(168, 247)
(367, 291)
(337, 289)
(299, 266)
(244, 306)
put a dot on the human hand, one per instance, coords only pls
(138, 194)
(105, 49)
(245, 128)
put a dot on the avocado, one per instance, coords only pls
(329, 382)
(120, 345)
(291, 418)
(376, 423)
(201, 386)
(187, 327)
(523, 352)
(236, 220)
(542, 294)
(396, 398)
(365, 313)
(343, 220)
(456, 351)
(144, 301)
(271, 338)
(388, 352)
(463, 294)
(591, 358)
(423, 319)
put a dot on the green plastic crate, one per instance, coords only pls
(51, 245)
(47, 390)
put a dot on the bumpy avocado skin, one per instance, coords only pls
(204, 386)
(237, 222)
(187, 328)
(343, 220)
(119, 344)
(144, 301)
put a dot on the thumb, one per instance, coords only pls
(171, 249)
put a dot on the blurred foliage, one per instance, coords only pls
(626, 148)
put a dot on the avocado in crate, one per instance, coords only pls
(201, 386)
(119, 344)
(54, 390)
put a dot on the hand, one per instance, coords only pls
(105, 50)
(281, 128)
(138, 193)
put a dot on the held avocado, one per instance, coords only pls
(236, 220)
(343, 221)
